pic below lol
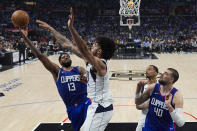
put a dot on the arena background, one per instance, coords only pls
(167, 37)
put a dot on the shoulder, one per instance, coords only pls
(81, 69)
(178, 100)
(178, 95)
(151, 88)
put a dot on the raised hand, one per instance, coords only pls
(71, 18)
(141, 84)
(24, 32)
(44, 25)
(168, 99)
(83, 79)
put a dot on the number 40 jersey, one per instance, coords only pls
(158, 117)
(70, 88)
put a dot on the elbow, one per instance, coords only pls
(180, 123)
(137, 102)
(178, 117)
(138, 107)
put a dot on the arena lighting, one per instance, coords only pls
(30, 3)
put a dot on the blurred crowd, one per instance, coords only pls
(166, 25)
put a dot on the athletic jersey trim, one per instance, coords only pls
(68, 70)
(160, 91)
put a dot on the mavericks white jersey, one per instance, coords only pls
(145, 111)
(98, 87)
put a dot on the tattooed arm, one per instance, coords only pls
(49, 65)
(60, 38)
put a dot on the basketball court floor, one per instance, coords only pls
(30, 94)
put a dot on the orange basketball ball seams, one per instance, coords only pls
(20, 18)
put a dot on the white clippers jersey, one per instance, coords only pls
(98, 87)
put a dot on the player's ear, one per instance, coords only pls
(172, 80)
(155, 73)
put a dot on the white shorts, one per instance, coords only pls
(96, 121)
(141, 122)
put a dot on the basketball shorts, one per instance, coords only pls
(77, 114)
(158, 129)
(97, 117)
(141, 122)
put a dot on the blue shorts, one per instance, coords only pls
(77, 114)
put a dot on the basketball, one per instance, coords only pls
(20, 18)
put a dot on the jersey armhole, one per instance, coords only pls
(58, 75)
(173, 97)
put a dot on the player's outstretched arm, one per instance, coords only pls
(60, 38)
(83, 48)
(50, 66)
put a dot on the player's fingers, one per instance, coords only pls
(167, 97)
(39, 21)
(72, 18)
(43, 25)
(40, 25)
(71, 10)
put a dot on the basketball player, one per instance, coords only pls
(151, 74)
(101, 110)
(70, 83)
(166, 103)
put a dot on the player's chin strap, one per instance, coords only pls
(178, 116)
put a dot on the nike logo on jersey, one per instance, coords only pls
(86, 102)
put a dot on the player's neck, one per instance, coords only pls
(152, 80)
(98, 56)
(166, 89)
(68, 68)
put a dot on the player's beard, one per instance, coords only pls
(67, 63)
(162, 82)
(148, 77)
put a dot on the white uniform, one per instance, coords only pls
(142, 119)
(101, 110)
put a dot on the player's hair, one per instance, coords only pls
(155, 68)
(175, 74)
(62, 55)
(107, 45)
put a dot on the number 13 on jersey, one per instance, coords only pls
(71, 86)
